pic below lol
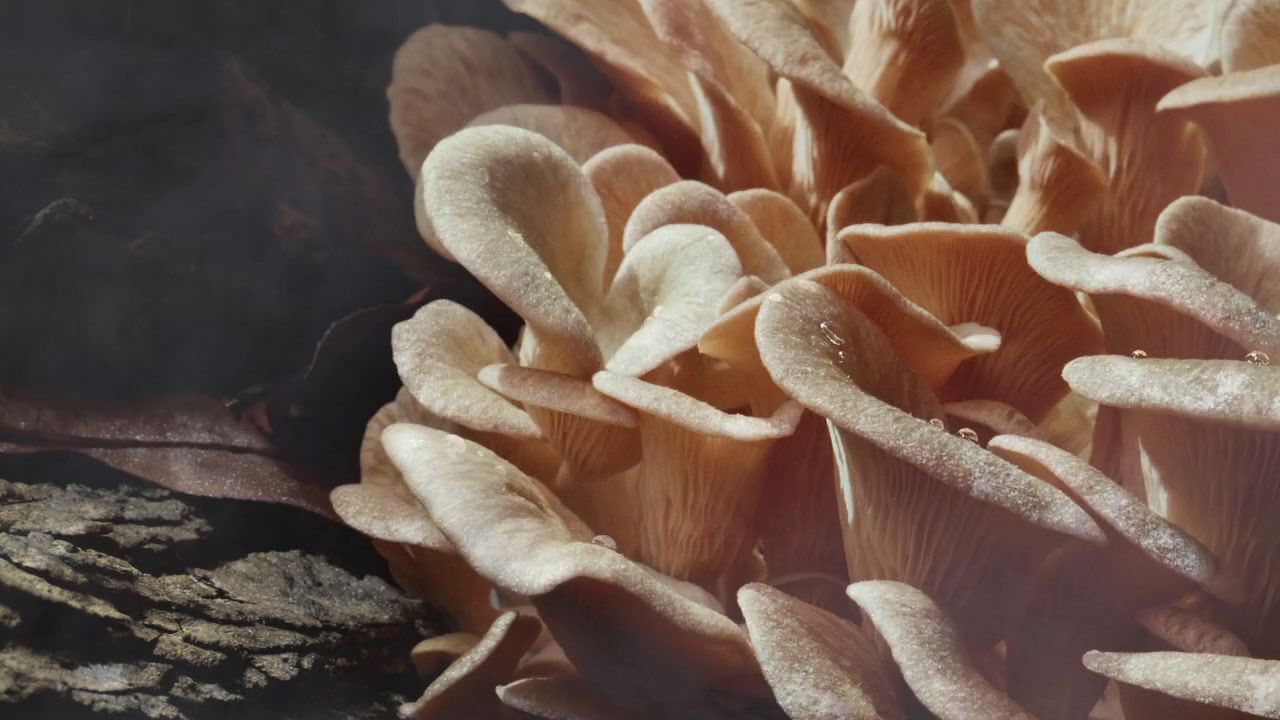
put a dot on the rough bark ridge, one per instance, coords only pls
(126, 599)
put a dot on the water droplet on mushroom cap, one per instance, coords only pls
(968, 434)
(1138, 354)
(1257, 357)
(829, 331)
(938, 423)
(604, 541)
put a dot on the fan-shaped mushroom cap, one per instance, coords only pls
(622, 176)
(518, 213)
(689, 201)
(837, 363)
(1158, 301)
(1238, 248)
(1149, 158)
(578, 131)
(620, 40)
(835, 133)
(1210, 436)
(930, 653)
(906, 54)
(731, 86)
(784, 225)
(697, 489)
(444, 76)
(1238, 113)
(1243, 684)
(1250, 35)
(960, 160)
(677, 648)
(465, 689)
(1085, 598)
(964, 273)
(1023, 35)
(820, 667)
(1058, 187)
(881, 198)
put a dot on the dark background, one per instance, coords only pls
(191, 192)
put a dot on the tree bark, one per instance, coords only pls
(129, 600)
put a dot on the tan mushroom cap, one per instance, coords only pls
(1234, 246)
(697, 489)
(709, 50)
(1250, 35)
(1222, 391)
(1058, 187)
(1208, 432)
(732, 87)
(820, 667)
(558, 698)
(386, 514)
(518, 213)
(960, 159)
(927, 346)
(692, 202)
(1023, 35)
(578, 131)
(443, 76)
(882, 198)
(930, 654)
(836, 134)
(982, 98)
(666, 294)
(1165, 307)
(1244, 684)
(1190, 631)
(1238, 113)
(465, 689)
(829, 22)
(1085, 598)
(620, 40)
(622, 176)
(799, 354)
(438, 354)
(676, 646)
(581, 84)
(942, 203)
(896, 466)
(1149, 158)
(1122, 514)
(436, 653)
(784, 225)
(595, 435)
(994, 416)
(906, 54)
(979, 273)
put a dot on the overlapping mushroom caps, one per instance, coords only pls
(766, 340)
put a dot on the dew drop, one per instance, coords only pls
(1138, 354)
(1257, 357)
(968, 434)
(842, 357)
(775, 296)
(828, 329)
(547, 274)
(604, 541)
(937, 422)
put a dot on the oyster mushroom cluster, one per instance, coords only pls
(880, 359)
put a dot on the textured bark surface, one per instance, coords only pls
(117, 598)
